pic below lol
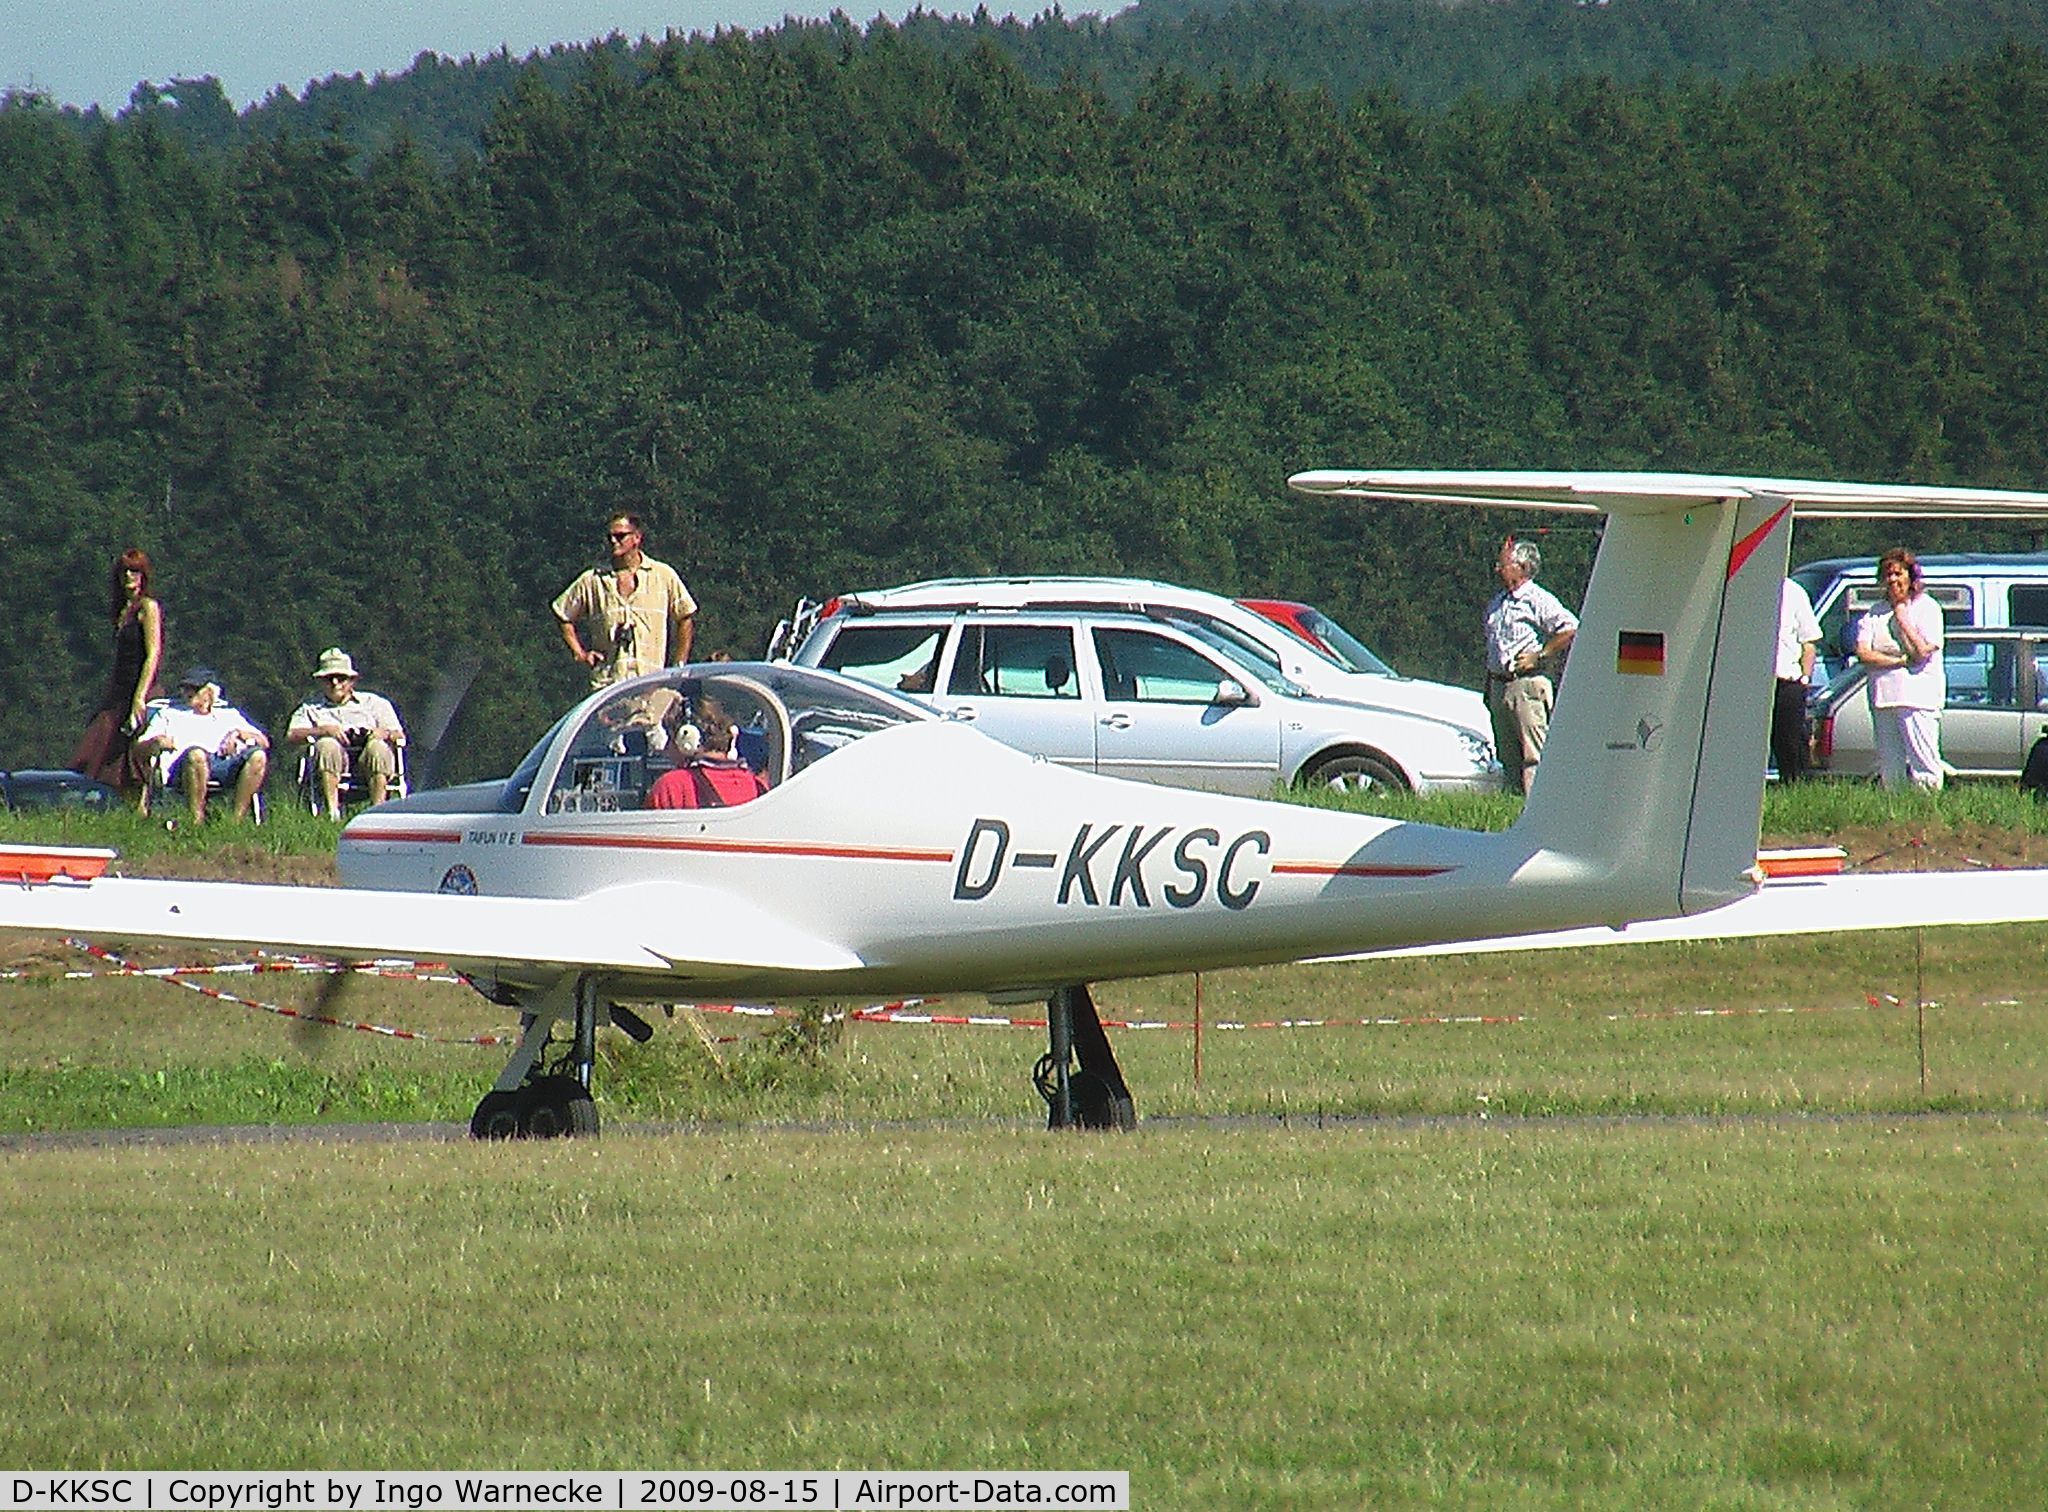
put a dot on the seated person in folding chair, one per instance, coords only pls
(348, 731)
(711, 776)
(199, 741)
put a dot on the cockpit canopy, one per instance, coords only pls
(604, 754)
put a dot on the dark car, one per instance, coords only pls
(1997, 708)
(36, 789)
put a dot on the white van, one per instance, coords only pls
(1974, 588)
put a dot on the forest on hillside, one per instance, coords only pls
(1424, 53)
(838, 308)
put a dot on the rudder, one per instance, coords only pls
(1650, 791)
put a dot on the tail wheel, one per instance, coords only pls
(1357, 772)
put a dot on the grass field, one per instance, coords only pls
(1740, 1026)
(1658, 1226)
(1788, 1313)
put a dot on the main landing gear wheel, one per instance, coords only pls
(549, 1107)
(1092, 1094)
(498, 1116)
(558, 1107)
(552, 1099)
(1091, 1105)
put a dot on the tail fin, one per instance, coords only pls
(1648, 798)
(1651, 785)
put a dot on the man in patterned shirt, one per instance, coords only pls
(1527, 632)
(637, 614)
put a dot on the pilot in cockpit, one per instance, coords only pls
(711, 776)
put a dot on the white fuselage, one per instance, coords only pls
(981, 870)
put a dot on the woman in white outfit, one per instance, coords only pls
(1908, 686)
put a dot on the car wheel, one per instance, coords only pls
(1357, 773)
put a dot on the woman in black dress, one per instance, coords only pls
(138, 653)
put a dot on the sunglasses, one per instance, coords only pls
(620, 535)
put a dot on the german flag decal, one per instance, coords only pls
(1641, 653)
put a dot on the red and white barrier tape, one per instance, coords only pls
(912, 1011)
(395, 970)
(900, 1014)
(1870, 1000)
(182, 977)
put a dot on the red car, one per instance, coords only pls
(1307, 622)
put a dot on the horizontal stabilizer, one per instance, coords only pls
(1618, 492)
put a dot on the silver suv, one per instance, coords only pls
(1297, 659)
(1150, 696)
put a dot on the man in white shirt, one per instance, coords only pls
(197, 740)
(1798, 639)
(1528, 631)
(346, 727)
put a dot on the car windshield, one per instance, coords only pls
(1189, 619)
(1840, 682)
(1814, 577)
(1352, 653)
(1266, 675)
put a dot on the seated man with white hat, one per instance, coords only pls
(345, 727)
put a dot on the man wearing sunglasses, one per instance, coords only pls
(629, 617)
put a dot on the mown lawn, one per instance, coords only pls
(1786, 1312)
(1662, 1226)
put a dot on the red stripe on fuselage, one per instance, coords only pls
(1340, 869)
(405, 837)
(742, 847)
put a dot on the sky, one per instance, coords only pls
(82, 52)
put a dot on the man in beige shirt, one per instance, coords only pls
(636, 612)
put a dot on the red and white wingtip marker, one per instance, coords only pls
(1800, 861)
(30, 864)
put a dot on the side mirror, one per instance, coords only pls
(1231, 694)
